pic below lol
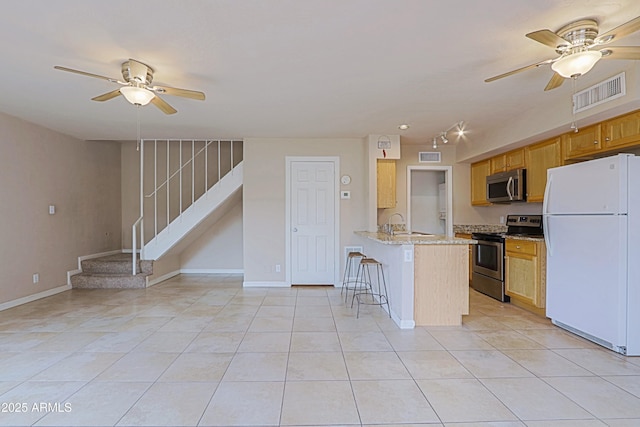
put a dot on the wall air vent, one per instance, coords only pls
(429, 157)
(605, 91)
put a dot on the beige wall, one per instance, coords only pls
(38, 168)
(264, 198)
(219, 248)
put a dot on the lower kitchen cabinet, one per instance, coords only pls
(525, 271)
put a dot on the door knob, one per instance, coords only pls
(295, 229)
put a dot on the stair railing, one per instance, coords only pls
(197, 182)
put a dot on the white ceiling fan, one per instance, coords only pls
(579, 45)
(136, 86)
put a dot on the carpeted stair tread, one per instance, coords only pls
(112, 271)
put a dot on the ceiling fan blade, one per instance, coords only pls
(556, 81)
(621, 52)
(107, 96)
(548, 61)
(163, 106)
(619, 32)
(548, 38)
(84, 73)
(192, 94)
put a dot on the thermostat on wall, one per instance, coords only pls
(345, 194)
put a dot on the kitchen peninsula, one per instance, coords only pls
(427, 276)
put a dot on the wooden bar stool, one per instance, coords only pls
(371, 296)
(351, 266)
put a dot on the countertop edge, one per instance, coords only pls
(436, 239)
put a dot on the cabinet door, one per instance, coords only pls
(541, 157)
(479, 173)
(522, 272)
(583, 143)
(621, 132)
(515, 159)
(498, 164)
(386, 174)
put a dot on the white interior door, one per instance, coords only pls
(312, 222)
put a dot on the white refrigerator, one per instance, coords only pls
(591, 215)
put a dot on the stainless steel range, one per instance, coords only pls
(488, 254)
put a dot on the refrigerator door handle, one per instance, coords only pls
(547, 191)
(545, 215)
(509, 183)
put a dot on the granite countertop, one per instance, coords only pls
(479, 228)
(529, 238)
(415, 239)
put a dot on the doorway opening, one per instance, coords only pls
(429, 199)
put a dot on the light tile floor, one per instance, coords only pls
(201, 350)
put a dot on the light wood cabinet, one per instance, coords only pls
(514, 159)
(540, 157)
(468, 236)
(386, 183)
(584, 143)
(479, 173)
(621, 132)
(525, 271)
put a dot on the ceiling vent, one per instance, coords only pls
(605, 91)
(429, 157)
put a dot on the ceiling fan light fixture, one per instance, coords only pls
(576, 64)
(137, 95)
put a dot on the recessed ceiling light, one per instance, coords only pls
(403, 127)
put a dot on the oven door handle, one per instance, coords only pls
(509, 185)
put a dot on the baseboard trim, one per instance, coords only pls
(162, 278)
(34, 297)
(274, 284)
(211, 271)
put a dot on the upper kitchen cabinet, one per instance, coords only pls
(583, 143)
(508, 161)
(479, 173)
(386, 183)
(621, 132)
(539, 158)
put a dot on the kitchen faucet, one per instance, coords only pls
(388, 225)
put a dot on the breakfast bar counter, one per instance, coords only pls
(427, 276)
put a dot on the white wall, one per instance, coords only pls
(38, 168)
(264, 198)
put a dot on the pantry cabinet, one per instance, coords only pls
(584, 143)
(540, 157)
(479, 173)
(525, 276)
(386, 183)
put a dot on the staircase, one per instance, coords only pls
(182, 183)
(112, 272)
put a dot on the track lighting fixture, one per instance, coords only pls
(457, 127)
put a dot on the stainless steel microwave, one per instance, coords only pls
(505, 187)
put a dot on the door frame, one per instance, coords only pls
(448, 180)
(336, 211)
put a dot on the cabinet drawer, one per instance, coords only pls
(521, 246)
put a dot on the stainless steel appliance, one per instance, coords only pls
(488, 254)
(505, 187)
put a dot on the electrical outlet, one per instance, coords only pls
(408, 255)
(277, 268)
(501, 219)
(36, 278)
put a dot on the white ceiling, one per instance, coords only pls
(289, 68)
